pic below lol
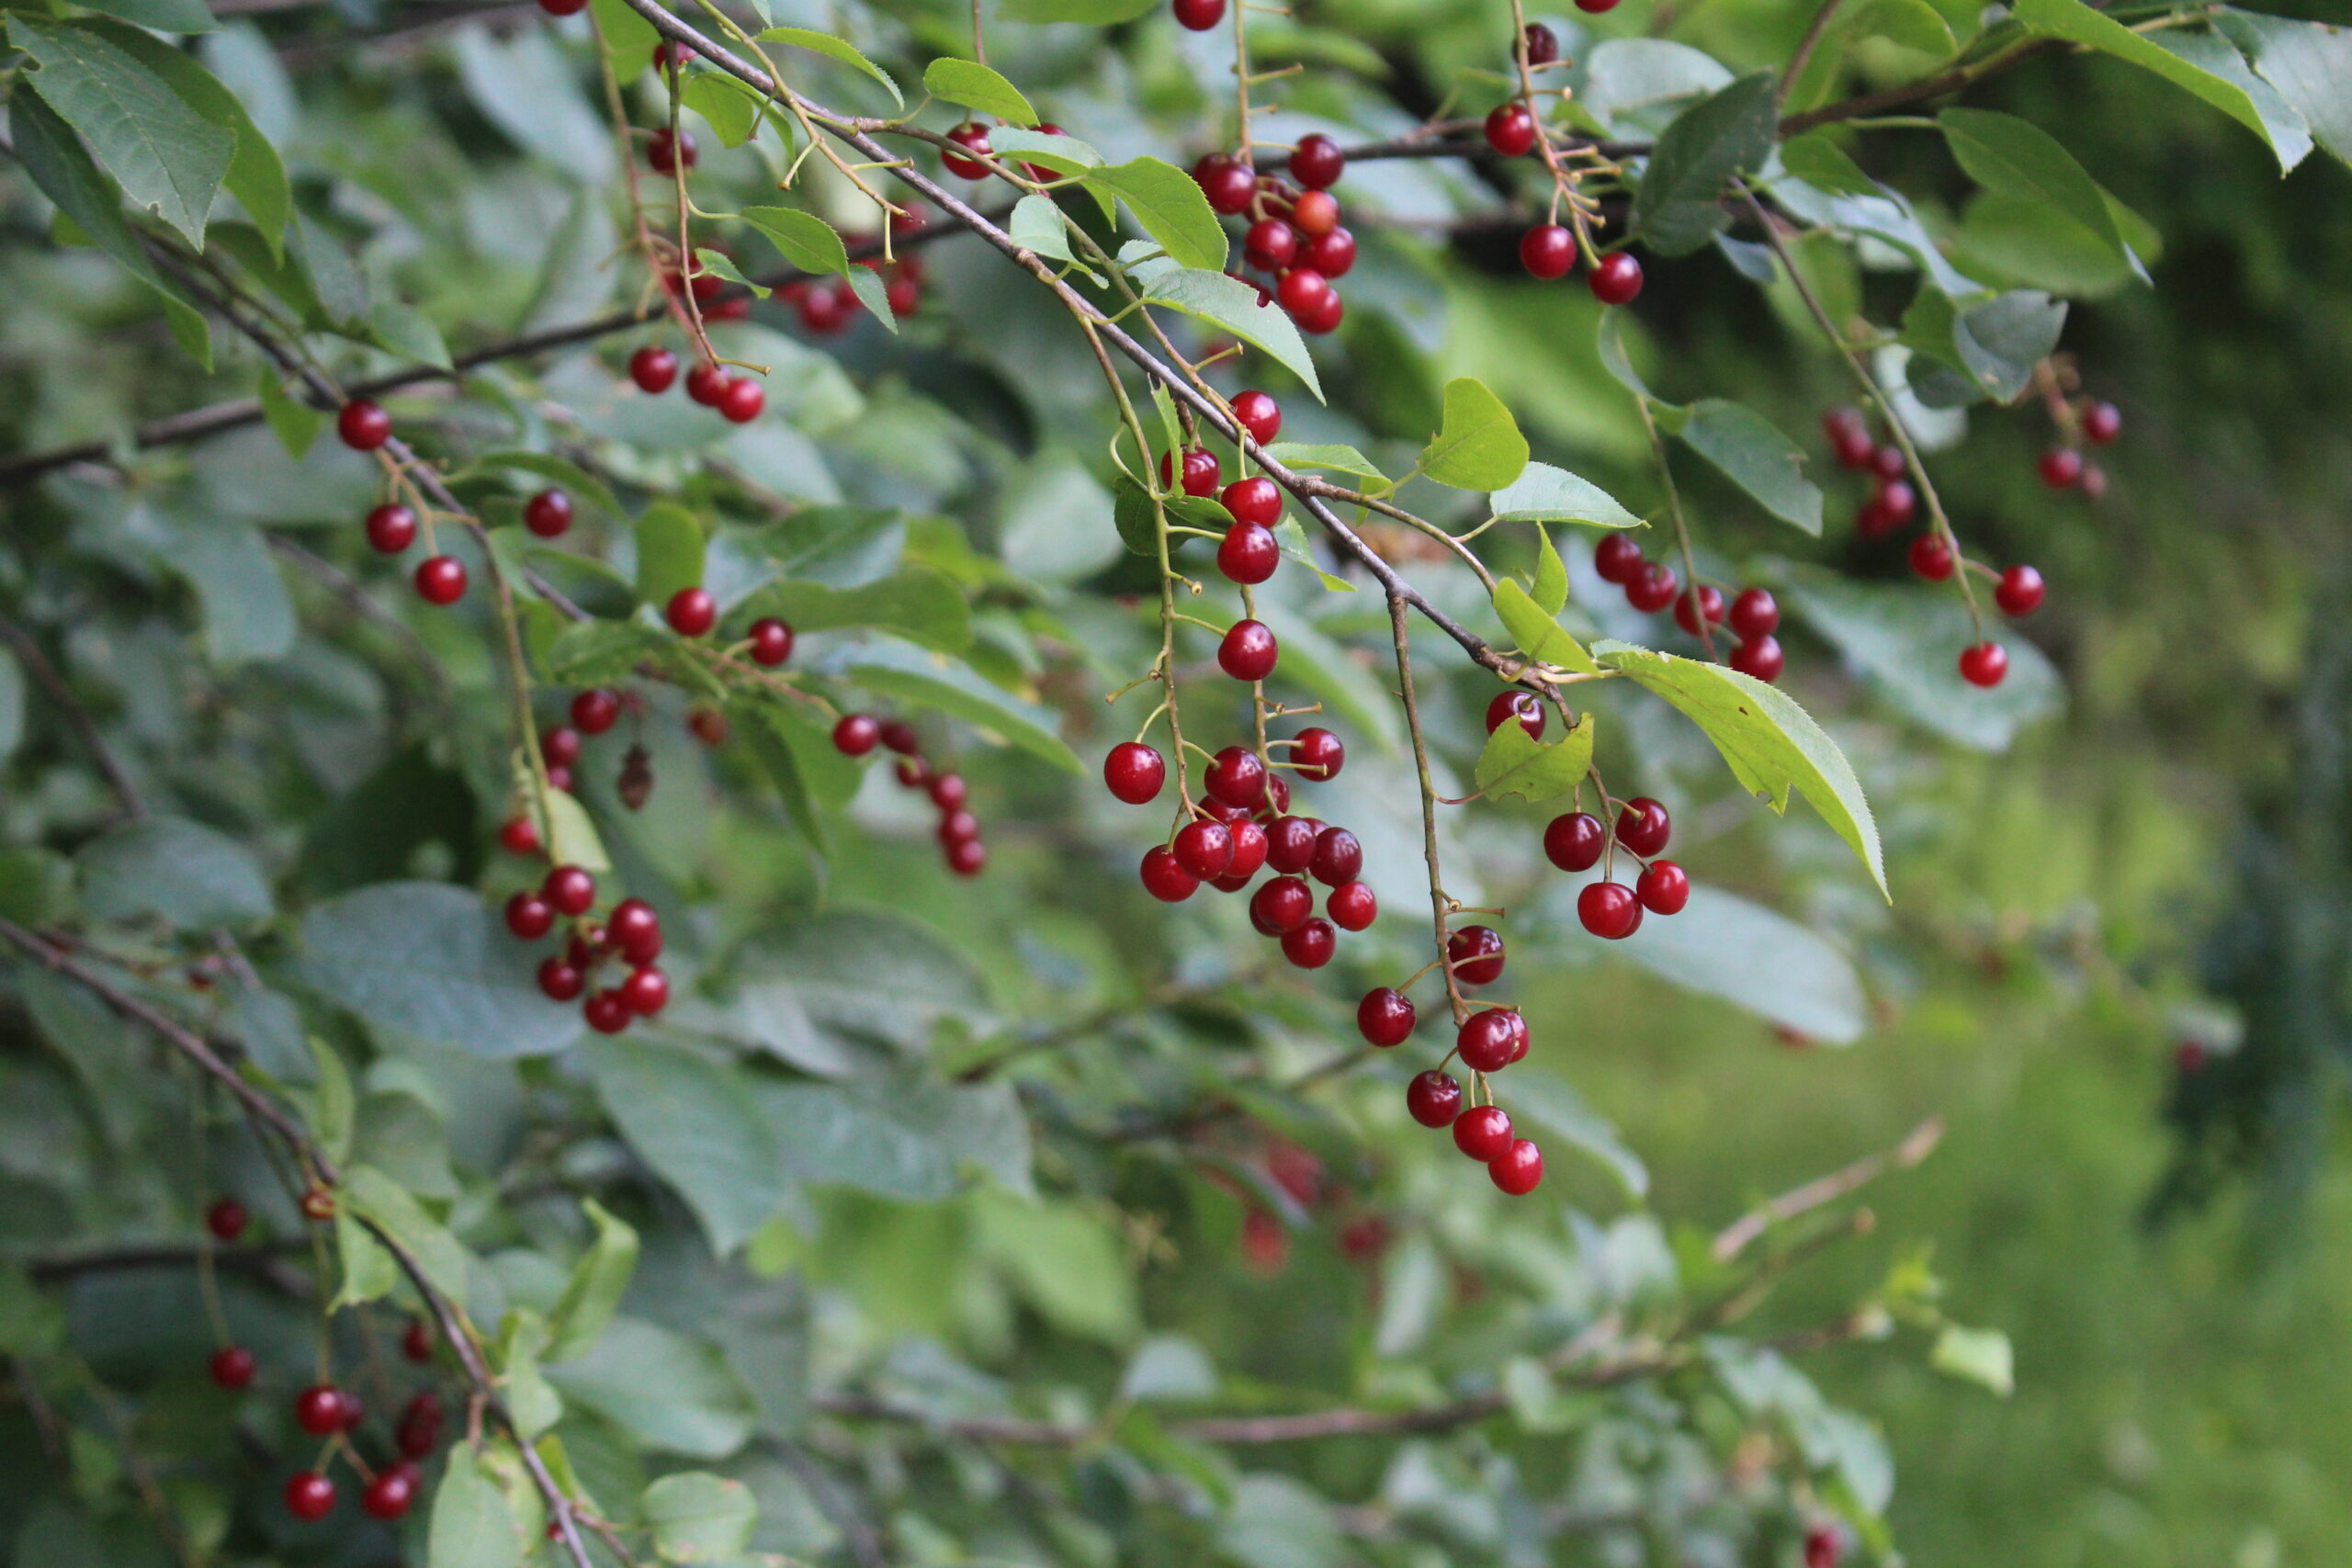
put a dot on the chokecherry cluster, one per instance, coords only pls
(628, 937)
(1650, 586)
(2063, 466)
(1294, 235)
(364, 426)
(857, 734)
(1550, 249)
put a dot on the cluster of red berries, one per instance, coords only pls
(1295, 234)
(1549, 250)
(1753, 615)
(707, 286)
(738, 398)
(857, 734)
(2064, 467)
(1893, 503)
(630, 934)
(364, 426)
(1576, 840)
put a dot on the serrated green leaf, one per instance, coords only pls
(533, 1405)
(1750, 450)
(977, 88)
(805, 239)
(595, 653)
(163, 16)
(1550, 589)
(1546, 494)
(1037, 225)
(1477, 444)
(718, 264)
(257, 176)
(1169, 204)
(1678, 207)
(698, 1519)
(1331, 457)
(1514, 765)
(867, 285)
(2078, 23)
(1229, 304)
(730, 108)
(915, 601)
(1823, 165)
(173, 870)
(2005, 154)
(1995, 345)
(374, 1196)
(2307, 64)
(1063, 155)
(407, 332)
(431, 961)
(594, 1291)
(1537, 634)
(296, 424)
(669, 551)
(837, 49)
(472, 1526)
(369, 1273)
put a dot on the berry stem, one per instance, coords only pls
(1681, 529)
(1438, 902)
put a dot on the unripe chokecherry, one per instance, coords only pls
(1434, 1099)
(1314, 213)
(1475, 954)
(1574, 839)
(1386, 1016)
(1482, 1132)
(1317, 755)
(1133, 772)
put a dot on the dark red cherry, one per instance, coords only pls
(1269, 245)
(1542, 44)
(363, 425)
(646, 991)
(1524, 706)
(1434, 1099)
(1248, 554)
(1353, 906)
(1643, 826)
(1257, 501)
(1280, 906)
(1248, 855)
(1259, 416)
(1236, 776)
(665, 153)
(1199, 16)
(1609, 910)
(529, 916)
(2061, 468)
(1203, 849)
(2102, 422)
(903, 738)
(1983, 664)
(1574, 839)
(391, 529)
(1482, 1133)
(706, 385)
(1165, 878)
(1386, 1016)
(973, 139)
(1310, 945)
(1490, 1041)
(1318, 755)
(1519, 1167)
(594, 711)
(1133, 772)
(1228, 185)
(855, 734)
(310, 1496)
(1316, 161)
(1617, 279)
(1760, 658)
(1617, 558)
(570, 889)
(1663, 887)
(1290, 843)
(1475, 954)
(2020, 591)
(318, 1410)
(771, 641)
(1754, 613)
(606, 1011)
(389, 1496)
(441, 580)
(653, 369)
(1332, 254)
(691, 611)
(226, 1219)
(548, 513)
(1931, 557)
(416, 1340)
(1249, 651)
(1338, 857)
(1710, 606)
(233, 1367)
(1653, 587)
(560, 980)
(635, 928)
(1201, 471)
(1510, 130)
(1547, 251)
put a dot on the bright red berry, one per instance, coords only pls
(1318, 755)
(1510, 130)
(1653, 587)
(855, 734)
(742, 401)
(949, 791)
(1228, 185)
(1889, 463)
(1710, 606)
(1249, 651)
(226, 1219)
(635, 928)
(1133, 772)
(974, 138)
(570, 889)
(1259, 416)
(771, 641)
(691, 611)
(391, 529)
(529, 916)
(1386, 1016)
(607, 1011)
(1434, 1099)
(1200, 16)
(707, 384)
(1475, 954)
(1519, 1167)
(594, 711)
(1983, 664)
(1760, 657)
(1595, 7)
(1165, 878)
(2061, 468)
(1316, 213)
(548, 513)
(647, 990)
(1290, 843)
(2102, 422)
(2020, 591)
(1333, 253)
(1338, 857)
(1249, 854)
(1897, 502)
(318, 1410)
(1617, 558)
(1203, 849)
(1201, 471)
(1821, 1546)
(1482, 1133)
(441, 580)
(1643, 826)
(1269, 245)
(1754, 614)
(1548, 250)
(1490, 1041)
(389, 1496)
(1325, 318)
(559, 979)
(1617, 279)
(1663, 887)
(1609, 910)
(310, 1496)
(364, 425)
(1303, 292)
(1311, 943)
(233, 1367)
(1353, 906)
(665, 152)
(1257, 501)
(653, 369)
(416, 1341)
(1236, 776)
(1249, 553)
(1931, 557)
(1280, 906)
(1316, 161)
(1524, 707)
(1574, 839)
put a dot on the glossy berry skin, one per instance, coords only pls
(1754, 613)
(1201, 471)
(1311, 944)
(2102, 422)
(1290, 844)
(1326, 319)
(744, 400)
(1165, 878)
(1547, 251)
(1269, 245)
(570, 890)
(1133, 772)
(2061, 468)
(1931, 557)
(1897, 502)
(653, 369)
(1228, 185)
(419, 1429)
(1353, 906)
(967, 857)
(1760, 657)
(1983, 664)
(1653, 587)
(1520, 706)
(1476, 955)
(1490, 1041)
(665, 153)
(635, 928)
(391, 529)
(595, 711)
(1277, 796)
(1316, 161)
(646, 991)
(441, 580)
(1248, 855)
(1596, 7)
(691, 611)
(1663, 887)
(1617, 558)
(1303, 292)
(1609, 910)
(1542, 44)
(1249, 553)
(310, 1496)
(707, 384)
(520, 836)
(1482, 1133)
(949, 791)
(2020, 591)
(1338, 857)
(318, 1410)
(1280, 906)
(606, 1011)
(1259, 416)
(855, 734)
(1200, 16)
(903, 738)
(559, 980)
(1710, 604)
(973, 138)
(548, 513)
(389, 1496)
(226, 1219)
(1574, 839)
(529, 916)
(1255, 500)
(771, 642)
(233, 1367)
(416, 1342)
(1203, 849)
(1434, 1099)
(1318, 755)
(363, 425)
(1617, 280)
(1518, 1169)
(1314, 214)
(1510, 130)
(563, 8)
(1235, 776)
(1249, 651)
(1386, 1016)
(1333, 254)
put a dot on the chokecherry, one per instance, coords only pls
(1165, 877)
(1290, 843)
(967, 857)
(1821, 1545)
(742, 399)
(570, 889)
(691, 611)
(1482, 1132)
(310, 1496)
(1520, 706)
(391, 527)
(1318, 755)
(706, 385)
(855, 734)
(1310, 943)
(1257, 501)
(1201, 471)
(1710, 606)
(1542, 44)
(1249, 651)
(1888, 462)
(1931, 557)
(1353, 906)
(1653, 587)
(1249, 854)
(226, 1219)
(1316, 213)
(635, 928)
(1609, 910)
(594, 711)
(1203, 849)
(607, 1011)
(1983, 664)
(1200, 16)
(1663, 887)
(1338, 857)
(771, 641)
(1475, 954)
(389, 1496)
(319, 1410)
(441, 580)
(520, 836)
(560, 979)
(949, 791)
(1229, 184)
(2102, 422)
(903, 738)
(416, 1341)
(363, 424)
(1249, 553)
(1259, 416)
(2020, 591)
(1316, 161)
(1133, 772)
(1754, 614)
(1269, 245)
(2061, 468)
(664, 153)
(548, 513)
(529, 916)
(1617, 279)
(1280, 906)
(1574, 839)
(1760, 657)
(1303, 292)
(646, 991)
(1434, 1099)
(1510, 130)
(1643, 826)
(1490, 1041)
(233, 1367)
(1547, 251)
(1617, 558)
(1236, 776)
(1518, 1168)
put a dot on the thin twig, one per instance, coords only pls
(45, 674)
(1917, 1145)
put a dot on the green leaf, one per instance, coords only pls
(914, 601)
(1093, 13)
(369, 1273)
(595, 653)
(977, 88)
(2307, 64)
(400, 1136)
(296, 424)
(2078, 23)
(163, 16)
(1823, 165)
(1067, 1262)
(1557, 1109)
(952, 689)
(867, 285)
(372, 1195)
(257, 176)
(333, 1111)
(1613, 359)
(167, 158)
(1139, 526)
(698, 1519)
(1678, 207)
(435, 962)
(2287, 119)
(669, 1392)
(1037, 225)
(1229, 304)
(1772, 745)
(593, 1292)
(837, 49)
(530, 1402)
(1637, 86)
(170, 869)
(1995, 345)
(805, 239)
(1913, 24)
(1722, 945)
(628, 37)
(1047, 150)
(407, 332)
(12, 705)
(2019, 159)
(1169, 1366)
(1750, 451)
(1546, 494)
(565, 826)
(1977, 1356)
(731, 108)
(1550, 589)
(1169, 204)
(1514, 765)
(689, 1117)
(1477, 444)
(1538, 635)
(472, 1527)
(669, 552)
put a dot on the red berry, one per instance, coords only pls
(1201, 469)
(1644, 826)
(1259, 416)
(1519, 1167)
(855, 734)
(1617, 279)
(1386, 1016)
(441, 580)
(974, 138)
(318, 1410)
(1338, 857)
(416, 1342)
(1303, 292)
(572, 890)
(1475, 954)
(1653, 587)
(548, 513)
(1249, 854)
(563, 8)
(1280, 906)
(1199, 15)
(1434, 1099)
(1236, 776)
(1490, 1041)
(691, 611)
(607, 1011)
(1888, 462)
(1277, 797)
(226, 1219)
(1229, 186)
(364, 425)
(1203, 849)
(1253, 501)
(653, 369)
(1324, 319)
(389, 1496)
(948, 791)
(967, 857)
(1548, 250)
(2093, 484)
(1821, 1546)
(1895, 501)
(310, 1496)
(529, 916)
(391, 527)
(2102, 422)
(1316, 161)
(1663, 887)
(635, 928)
(707, 384)
(1755, 613)
(595, 711)
(1311, 943)
(1133, 772)
(904, 293)
(1269, 245)
(1983, 664)
(1542, 44)
(559, 980)
(1249, 651)
(771, 641)
(1317, 755)
(1482, 1133)
(1524, 707)
(1249, 552)
(1760, 657)
(1290, 843)
(1316, 213)
(1510, 130)
(2020, 591)
(1333, 254)
(665, 153)
(233, 1367)
(1574, 839)
(825, 307)
(1165, 878)
(2061, 467)
(742, 401)
(1710, 604)
(1617, 558)
(1931, 557)
(647, 990)
(1595, 7)
(1609, 910)
(1353, 906)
